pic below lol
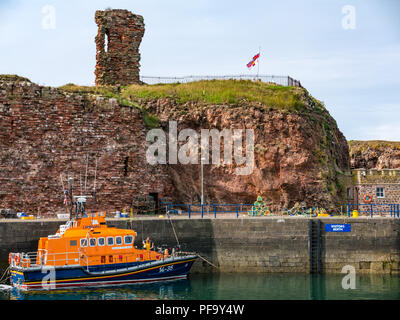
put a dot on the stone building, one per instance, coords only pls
(383, 186)
(117, 47)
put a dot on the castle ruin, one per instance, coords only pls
(118, 39)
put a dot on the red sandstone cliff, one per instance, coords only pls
(300, 154)
(374, 154)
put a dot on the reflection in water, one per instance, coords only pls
(231, 286)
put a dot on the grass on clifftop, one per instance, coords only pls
(13, 78)
(210, 92)
(216, 92)
(360, 145)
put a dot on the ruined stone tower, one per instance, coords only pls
(117, 47)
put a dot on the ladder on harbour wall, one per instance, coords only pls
(315, 245)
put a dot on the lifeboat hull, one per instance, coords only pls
(50, 278)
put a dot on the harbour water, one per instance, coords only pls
(237, 286)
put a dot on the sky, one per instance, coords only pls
(346, 53)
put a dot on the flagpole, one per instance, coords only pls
(258, 65)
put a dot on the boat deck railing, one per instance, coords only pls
(117, 262)
(43, 258)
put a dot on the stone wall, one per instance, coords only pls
(117, 47)
(367, 182)
(46, 135)
(248, 245)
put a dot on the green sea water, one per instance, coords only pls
(242, 286)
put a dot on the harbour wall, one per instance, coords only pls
(247, 244)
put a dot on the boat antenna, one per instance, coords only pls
(80, 179)
(87, 162)
(94, 186)
(95, 171)
(71, 186)
(64, 191)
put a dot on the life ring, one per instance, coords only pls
(9, 258)
(367, 198)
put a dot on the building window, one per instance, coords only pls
(348, 193)
(380, 193)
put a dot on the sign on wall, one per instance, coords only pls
(338, 228)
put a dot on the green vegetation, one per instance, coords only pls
(12, 77)
(215, 92)
(268, 96)
(107, 92)
(210, 92)
(150, 120)
(361, 146)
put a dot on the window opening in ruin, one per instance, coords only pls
(106, 36)
(126, 166)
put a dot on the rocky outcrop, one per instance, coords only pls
(299, 155)
(374, 154)
(47, 133)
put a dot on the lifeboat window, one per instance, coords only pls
(92, 242)
(83, 243)
(72, 243)
(101, 241)
(110, 241)
(128, 239)
(118, 240)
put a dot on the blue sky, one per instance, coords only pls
(355, 72)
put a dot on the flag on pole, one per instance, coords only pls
(253, 61)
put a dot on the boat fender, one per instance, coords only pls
(17, 259)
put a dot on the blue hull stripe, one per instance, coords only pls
(79, 276)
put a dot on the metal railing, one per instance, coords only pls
(209, 209)
(381, 209)
(281, 80)
(43, 258)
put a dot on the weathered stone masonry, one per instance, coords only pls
(46, 132)
(117, 47)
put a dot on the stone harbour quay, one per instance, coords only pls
(247, 244)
